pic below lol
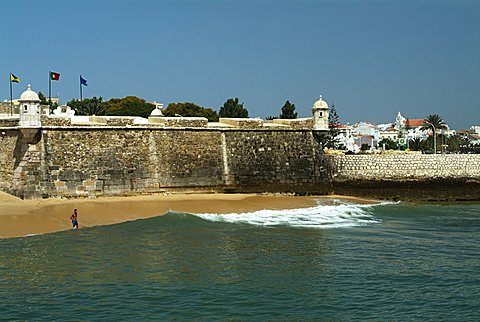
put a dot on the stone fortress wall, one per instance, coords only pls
(96, 161)
(72, 161)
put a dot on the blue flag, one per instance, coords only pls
(83, 81)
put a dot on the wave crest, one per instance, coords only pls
(320, 216)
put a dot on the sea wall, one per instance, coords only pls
(8, 161)
(407, 176)
(93, 161)
(89, 161)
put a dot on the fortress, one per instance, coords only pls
(48, 156)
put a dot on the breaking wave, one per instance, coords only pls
(320, 216)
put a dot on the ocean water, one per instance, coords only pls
(340, 262)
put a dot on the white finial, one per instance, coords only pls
(320, 96)
(29, 87)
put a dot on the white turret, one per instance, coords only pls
(320, 115)
(157, 112)
(29, 109)
(399, 121)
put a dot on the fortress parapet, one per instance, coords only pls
(302, 123)
(242, 122)
(199, 122)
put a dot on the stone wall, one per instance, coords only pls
(54, 120)
(195, 122)
(301, 123)
(408, 176)
(9, 121)
(243, 123)
(113, 160)
(5, 108)
(8, 160)
(406, 166)
(281, 160)
(91, 161)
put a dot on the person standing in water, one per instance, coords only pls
(74, 219)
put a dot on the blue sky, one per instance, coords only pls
(371, 58)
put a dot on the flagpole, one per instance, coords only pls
(49, 89)
(11, 107)
(81, 98)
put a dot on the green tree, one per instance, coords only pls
(44, 101)
(128, 106)
(365, 147)
(416, 144)
(190, 109)
(471, 148)
(332, 140)
(232, 108)
(88, 106)
(434, 122)
(457, 143)
(288, 111)
(389, 144)
(271, 117)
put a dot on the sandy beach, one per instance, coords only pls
(25, 217)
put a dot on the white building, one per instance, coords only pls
(345, 137)
(63, 111)
(475, 129)
(390, 134)
(364, 128)
(413, 128)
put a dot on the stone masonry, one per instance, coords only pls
(90, 161)
(408, 176)
(398, 167)
(95, 161)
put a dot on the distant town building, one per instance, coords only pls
(63, 111)
(364, 128)
(360, 140)
(390, 134)
(412, 128)
(472, 134)
(345, 137)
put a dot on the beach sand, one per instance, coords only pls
(27, 217)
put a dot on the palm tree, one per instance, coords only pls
(89, 106)
(434, 122)
(416, 144)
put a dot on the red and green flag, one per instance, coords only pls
(54, 76)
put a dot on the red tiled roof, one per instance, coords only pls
(414, 122)
(363, 136)
(340, 126)
(391, 129)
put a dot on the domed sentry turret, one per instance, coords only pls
(29, 108)
(320, 115)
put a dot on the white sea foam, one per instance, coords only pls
(320, 216)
